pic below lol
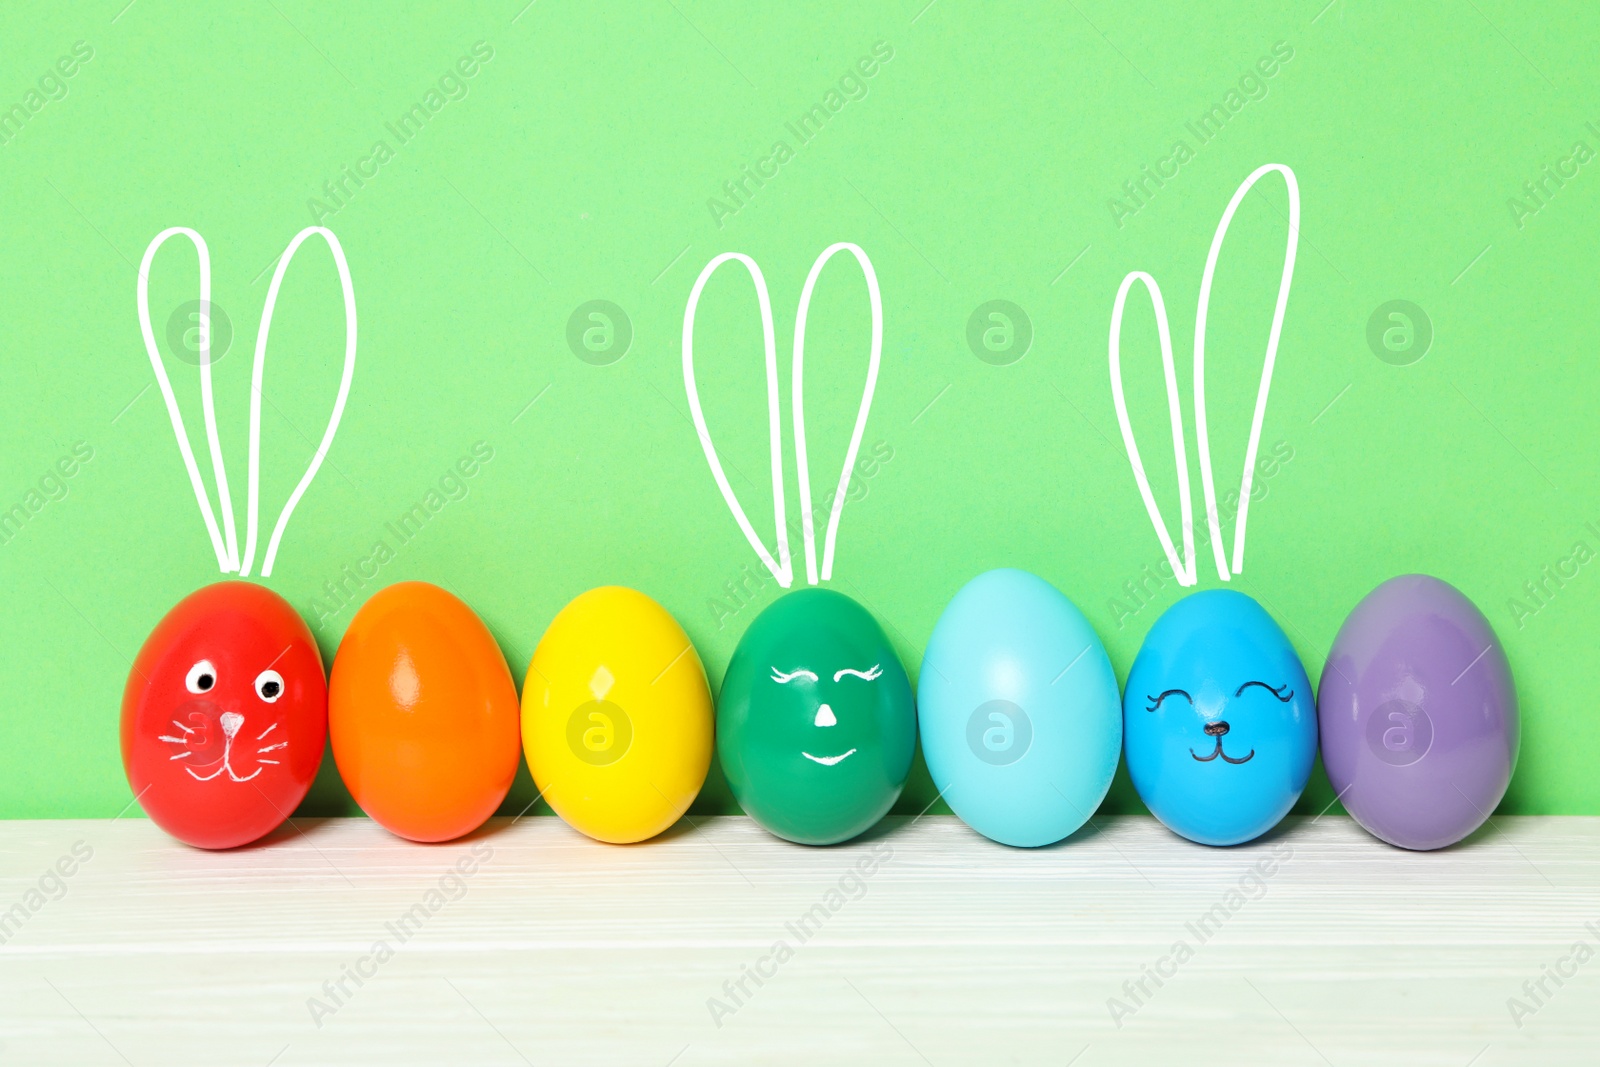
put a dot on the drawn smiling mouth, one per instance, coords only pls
(1218, 752)
(829, 761)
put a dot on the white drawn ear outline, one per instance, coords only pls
(782, 568)
(1185, 570)
(1247, 478)
(797, 403)
(252, 497)
(227, 552)
(225, 542)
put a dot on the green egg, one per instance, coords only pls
(816, 722)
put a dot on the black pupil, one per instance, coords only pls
(205, 681)
(270, 689)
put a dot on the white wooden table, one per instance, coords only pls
(941, 948)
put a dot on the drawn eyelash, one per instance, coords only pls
(871, 674)
(1155, 702)
(1277, 691)
(780, 677)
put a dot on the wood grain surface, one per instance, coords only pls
(334, 942)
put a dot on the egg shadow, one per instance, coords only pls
(1090, 830)
(678, 830)
(1478, 838)
(897, 824)
(292, 828)
(1280, 830)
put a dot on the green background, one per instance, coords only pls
(981, 163)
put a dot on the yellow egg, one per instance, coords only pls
(616, 716)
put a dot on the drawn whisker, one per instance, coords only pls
(231, 723)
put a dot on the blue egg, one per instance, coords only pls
(1018, 710)
(1220, 720)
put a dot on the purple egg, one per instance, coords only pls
(1418, 714)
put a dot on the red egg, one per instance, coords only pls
(224, 716)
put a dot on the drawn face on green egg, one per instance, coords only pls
(816, 723)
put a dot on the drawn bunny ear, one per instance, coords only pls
(225, 543)
(1185, 569)
(251, 499)
(798, 403)
(1202, 441)
(781, 568)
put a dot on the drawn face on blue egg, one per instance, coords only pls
(1219, 720)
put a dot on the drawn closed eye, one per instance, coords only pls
(1282, 692)
(1155, 702)
(871, 674)
(780, 677)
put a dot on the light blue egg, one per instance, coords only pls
(1018, 710)
(1219, 719)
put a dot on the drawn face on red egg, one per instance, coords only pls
(224, 716)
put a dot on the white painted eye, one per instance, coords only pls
(269, 686)
(202, 677)
(871, 674)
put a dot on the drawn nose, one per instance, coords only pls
(1216, 729)
(232, 720)
(825, 717)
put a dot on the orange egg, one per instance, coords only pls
(423, 714)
